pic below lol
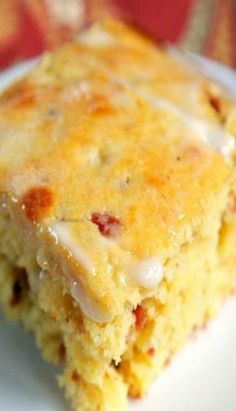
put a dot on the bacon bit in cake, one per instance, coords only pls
(75, 376)
(140, 317)
(20, 284)
(108, 225)
(36, 202)
(151, 352)
(62, 353)
(215, 103)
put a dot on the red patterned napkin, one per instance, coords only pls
(204, 26)
(30, 26)
(27, 27)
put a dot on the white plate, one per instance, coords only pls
(201, 378)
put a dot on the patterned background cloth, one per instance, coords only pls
(30, 26)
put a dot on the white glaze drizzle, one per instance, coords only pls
(204, 130)
(88, 305)
(62, 234)
(218, 139)
(209, 133)
(147, 273)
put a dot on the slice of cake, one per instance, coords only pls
(118, 210)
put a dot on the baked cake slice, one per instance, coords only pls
(118, 210)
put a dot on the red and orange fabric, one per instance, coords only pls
(203, 26)
(30, 26)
